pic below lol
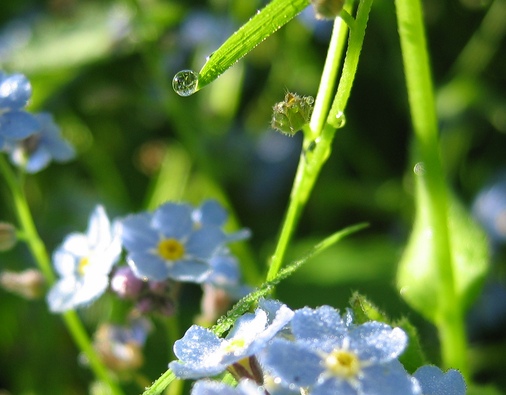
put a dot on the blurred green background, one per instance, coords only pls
(104, 69)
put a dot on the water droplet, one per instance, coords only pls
(185, 82)
(419, 169)
(340, 120)
(209, 56)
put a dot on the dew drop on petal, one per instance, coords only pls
(185, 82)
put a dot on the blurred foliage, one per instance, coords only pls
(104, 69)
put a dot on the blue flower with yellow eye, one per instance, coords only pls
(84, 262)
(15, 123)
(201, 353)
(329, 355)
(168, 244)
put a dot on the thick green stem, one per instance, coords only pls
(311, 161)
(423, 114)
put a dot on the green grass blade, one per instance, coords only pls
(273, 16)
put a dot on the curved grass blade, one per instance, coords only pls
(273, 16)
(243, 305)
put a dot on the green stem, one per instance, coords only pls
(311, 162)
(41, 257)
(423, 113)
(26, 223)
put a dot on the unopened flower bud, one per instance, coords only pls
(125, 284)
(290, 115)
(28, 284)
(8, 237)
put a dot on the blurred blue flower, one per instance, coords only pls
(120, 347)
(489, 208)
(201, 353)
(435, 382)
(84, 262)
(332, 356)
(15, 123)
(36, 151)
(166, 244)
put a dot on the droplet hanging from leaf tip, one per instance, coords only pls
(185, 82)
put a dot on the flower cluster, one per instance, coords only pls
(31, 140)
(175, 243)
(308, 351)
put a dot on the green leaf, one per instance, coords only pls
(419, 278)
(273, 16)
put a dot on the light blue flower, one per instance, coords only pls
(435, 382)
(15, 123)
(330, 356)
(201, 353)
(166, 244)
(84, 262)
(36, 151)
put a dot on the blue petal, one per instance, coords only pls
(173, 220)
(137, 234)
(199, 354)
(210, 213)
(390, 378)
(207, 387)
(435, 382)
(377, 341)
(204, 242)
(189, 271)
(18, 125)
(316, 324)
(15, 91)
(293, 363)
(148, 266)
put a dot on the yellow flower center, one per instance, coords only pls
(234, 345)
(83, 263)
(170, 249)
(342, 363)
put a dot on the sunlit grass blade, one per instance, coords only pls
(273, 16)
(225, 322)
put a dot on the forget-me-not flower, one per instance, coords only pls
(36, 151)
(329, 355)
(15, 122)
(168, 244)
(84, 262)
(201, 353)
(435, 382)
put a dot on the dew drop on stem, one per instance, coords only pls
(185, 82)
(340, 120)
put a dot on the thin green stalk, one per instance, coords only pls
(29, 231)
(423, 113)
(311, 161)
(38, 250)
